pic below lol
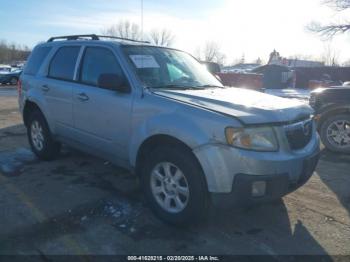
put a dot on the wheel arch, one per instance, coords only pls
(156, 140)
(28, 108)
(332, 111)
(152, 142)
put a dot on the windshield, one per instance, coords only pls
(5, 69)
(167, 68)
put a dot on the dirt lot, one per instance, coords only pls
(79, 204)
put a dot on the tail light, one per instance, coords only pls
(19, 87)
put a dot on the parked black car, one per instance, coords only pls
(332, 112)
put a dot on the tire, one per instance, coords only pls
(327, 127)
(197, 200)
(13, 81)
(40, 137)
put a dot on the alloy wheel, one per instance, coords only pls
(338, 133)
(37, 135)
(169, 187)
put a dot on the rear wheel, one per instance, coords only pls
(40, 138)
(335, 133)
(174, 185)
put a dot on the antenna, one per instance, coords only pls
(142, 20)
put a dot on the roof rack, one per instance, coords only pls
(73, 37)
(93, 37)
(123, 38)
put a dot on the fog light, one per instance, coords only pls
(258, 188)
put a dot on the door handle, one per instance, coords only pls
(45, 88)
(83, 97)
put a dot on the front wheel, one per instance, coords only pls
(13, 81)
(40, 138)
(335, 133)
(174, 185)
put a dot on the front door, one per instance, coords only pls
(102, 116)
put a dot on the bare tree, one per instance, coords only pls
(124, 29)
(198, 53)
(338, 5)
(235, 61)
(330, 30)
(258, 61)
(162, 37)
(210, 53)
(211, 50)
(242, 61)
(12, 52)
(330, 56)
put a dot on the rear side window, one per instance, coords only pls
(36, 59)
(63, 63)
(97, 61)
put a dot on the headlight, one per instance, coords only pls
(312, 100)
(258, 139)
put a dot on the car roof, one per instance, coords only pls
(115, 42)
(99, 39)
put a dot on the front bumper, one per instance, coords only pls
(230, 172)
(277, 186)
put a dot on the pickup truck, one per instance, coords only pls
(332, 112)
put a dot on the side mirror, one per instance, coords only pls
(113, 82)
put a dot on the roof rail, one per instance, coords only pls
(73, 37)
(93, 37)
(123, 38)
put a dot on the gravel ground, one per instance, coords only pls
(79, 204)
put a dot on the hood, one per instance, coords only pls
(251, 107)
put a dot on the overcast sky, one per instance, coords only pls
(250, 27)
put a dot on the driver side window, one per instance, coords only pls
(98, 61)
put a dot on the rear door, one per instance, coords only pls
(58, 88)
(101, 116)
(31, 78)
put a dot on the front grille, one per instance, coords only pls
(299, 134)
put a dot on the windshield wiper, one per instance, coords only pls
(177, 87)
(208, 86)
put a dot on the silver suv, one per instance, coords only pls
(159, 113)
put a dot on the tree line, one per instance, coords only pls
(210, 52)
(130, 30)
(11, 52)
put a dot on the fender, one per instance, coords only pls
(34, 95)
(332, 108)
(173, 124)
